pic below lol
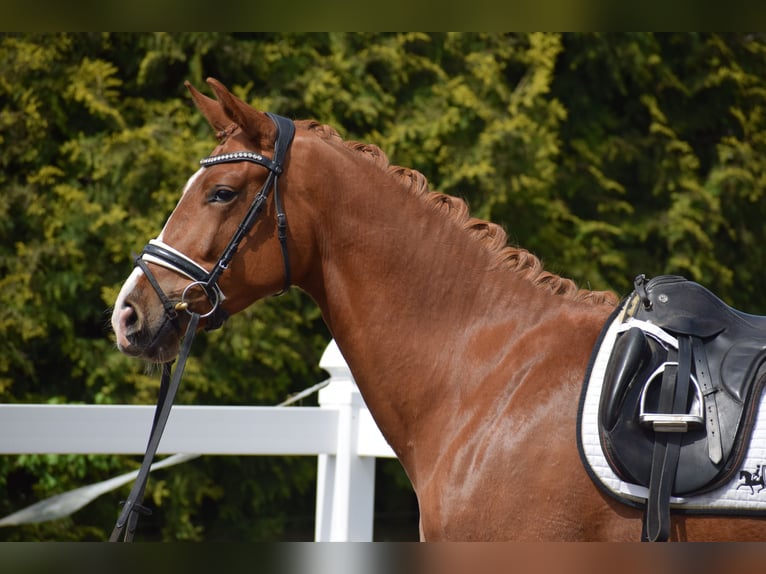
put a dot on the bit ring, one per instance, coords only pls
(183, 304)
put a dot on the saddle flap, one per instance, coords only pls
(739, 365)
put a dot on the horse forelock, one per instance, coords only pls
(490, 235)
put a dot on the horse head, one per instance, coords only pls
(224, 245)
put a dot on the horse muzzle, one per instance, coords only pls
(154, 339)
(140, 324)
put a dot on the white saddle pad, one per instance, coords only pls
(744, 494)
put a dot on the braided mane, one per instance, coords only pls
(491, 235)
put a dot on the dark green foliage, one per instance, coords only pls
(605, 154)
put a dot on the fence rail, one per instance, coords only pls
(340, 432)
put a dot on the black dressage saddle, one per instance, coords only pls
(680, 394)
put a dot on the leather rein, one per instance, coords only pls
(159, 253)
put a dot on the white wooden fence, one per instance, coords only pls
(340, 432)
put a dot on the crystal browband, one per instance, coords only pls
(235, 156)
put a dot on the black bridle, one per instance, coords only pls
(159, 253)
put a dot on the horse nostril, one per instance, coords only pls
(129, 317)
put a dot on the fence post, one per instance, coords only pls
(345, 481)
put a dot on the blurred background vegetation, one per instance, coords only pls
(607, 155)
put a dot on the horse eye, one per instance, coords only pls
(222, 195)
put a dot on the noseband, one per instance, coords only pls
(164, 255)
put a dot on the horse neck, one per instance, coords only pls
(412, 298)
(394, 273)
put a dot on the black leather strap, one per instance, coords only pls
(170, 310)
(132, 508)
(657, 513)
(667, 447)
(712, 422)
(282, 235)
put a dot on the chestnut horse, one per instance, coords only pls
(469, 355)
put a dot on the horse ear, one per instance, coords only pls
(255, 124)
(210, 108)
